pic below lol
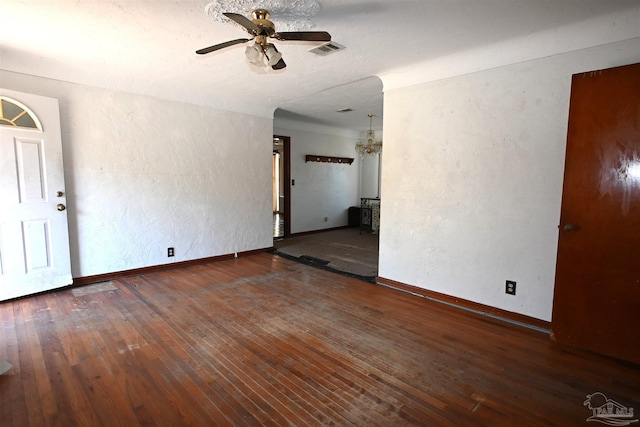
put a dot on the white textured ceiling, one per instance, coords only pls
(148, 47)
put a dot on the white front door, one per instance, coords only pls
(34, 238)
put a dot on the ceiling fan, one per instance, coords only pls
(261, 29)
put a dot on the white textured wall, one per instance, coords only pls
(321, 189)
(472, 179)
(144, 174)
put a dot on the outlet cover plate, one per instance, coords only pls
(510, 287)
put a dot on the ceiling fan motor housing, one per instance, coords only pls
(260, 17)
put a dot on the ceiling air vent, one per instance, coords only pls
(326, 48)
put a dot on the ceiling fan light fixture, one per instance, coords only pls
(272, 55)
(254, 54)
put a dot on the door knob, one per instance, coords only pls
(59, 193)
(569, 227)
(61, 207)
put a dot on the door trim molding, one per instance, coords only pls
(286, 160)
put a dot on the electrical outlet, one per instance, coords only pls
(170, 252)
(326, 218)
(510, 287)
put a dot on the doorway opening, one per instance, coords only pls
(343, 249)
(281, 187)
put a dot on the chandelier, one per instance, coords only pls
(372, 145)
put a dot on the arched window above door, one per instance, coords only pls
(13, 113)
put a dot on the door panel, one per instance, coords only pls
(597, 290)
(34, 239)
(31, 176)
(37, 243)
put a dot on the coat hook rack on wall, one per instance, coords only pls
(327, 159)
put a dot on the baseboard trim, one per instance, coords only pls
(85, 280)
(324, 230)
(470, 306)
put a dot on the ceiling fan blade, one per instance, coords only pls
(313, 36)
(221, 46)
(244, 21)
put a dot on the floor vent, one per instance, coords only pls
(326, 48)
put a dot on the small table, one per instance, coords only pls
(369, 215)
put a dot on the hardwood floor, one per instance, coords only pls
(266, 341)
(345, 250)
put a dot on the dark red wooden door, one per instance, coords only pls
(597, 291)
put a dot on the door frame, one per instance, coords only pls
(286, 166)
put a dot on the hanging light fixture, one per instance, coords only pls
(255, 54)
(262, 54)
(372, 145)
(272, 55)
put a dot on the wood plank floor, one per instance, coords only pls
(262, 340)
(346, 250)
